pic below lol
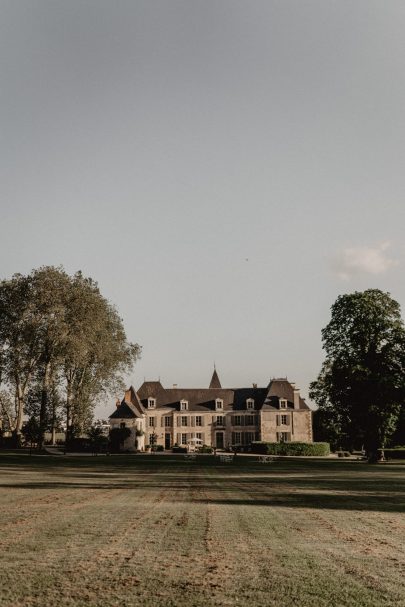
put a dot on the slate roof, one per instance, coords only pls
(199, 399)
(282, 388)
(215, 383)
(240, 396)
(203, 399)
(124, 411)
(135, 402)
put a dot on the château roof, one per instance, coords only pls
(282, 388)
(203, 399)
(124, 411)
(215, 383)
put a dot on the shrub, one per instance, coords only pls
(158, 448)
(205, 449)
(312, 449)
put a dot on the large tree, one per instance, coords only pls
(361, 387)
(59, 334)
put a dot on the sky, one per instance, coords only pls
(223, 169)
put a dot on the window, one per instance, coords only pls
(220, 420)
(283, 403)
(236, 439)
(184, 439)
(122, 425)
(183, 405)
(283, 437)
(249, 437)
(152, 422)
(250, 403)
(219, 404)
(250, 420)
(168, 422)
(198, 435)
(284, 419)
(198, 420)
(152, 439)
(184, 420)
(151, 403)
(237, 420)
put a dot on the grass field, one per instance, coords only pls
(150, 530)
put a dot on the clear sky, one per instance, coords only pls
(223, 169)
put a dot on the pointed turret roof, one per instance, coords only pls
(215, 383)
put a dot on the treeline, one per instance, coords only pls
(62, 346)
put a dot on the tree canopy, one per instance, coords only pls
(361, 387)
(60, 341)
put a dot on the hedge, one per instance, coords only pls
(176, 449)
(314, 449)
(394, 453)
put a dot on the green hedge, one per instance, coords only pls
(395, 453)
(177, 449)
(314, 449)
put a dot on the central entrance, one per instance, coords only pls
(167, 441)
(219, 440)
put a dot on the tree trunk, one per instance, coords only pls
(69, 399)
(20, 398)
(46, 382)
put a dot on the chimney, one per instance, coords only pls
(117, 404)
(254, 386)
(174, 385)
(296, 398)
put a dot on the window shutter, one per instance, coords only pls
(203, 438)
(287, 423)
(202, 420)
(278, 421)
(193, 421)
(162, 421)
(178, 440)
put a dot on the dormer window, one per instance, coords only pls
(183, 405)
(283, 403)
(151, 403)
(219, 404)
(250, 403)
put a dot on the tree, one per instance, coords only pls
(32, 432)
(98, 440)
(59, 334)
(361, 387)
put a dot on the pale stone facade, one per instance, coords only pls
(214, 416)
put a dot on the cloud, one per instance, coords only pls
(363, 260)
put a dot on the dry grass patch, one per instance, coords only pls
(159, 531)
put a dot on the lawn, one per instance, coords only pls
(159, 531)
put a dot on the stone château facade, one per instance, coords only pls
(215, 416)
